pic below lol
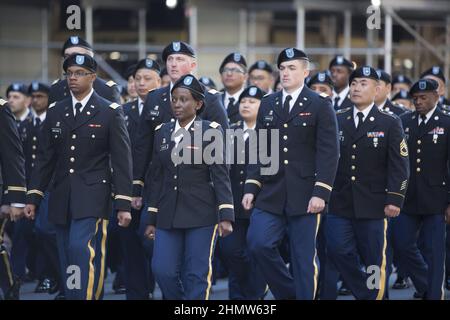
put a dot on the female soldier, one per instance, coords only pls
(245, 281)
(190, 202)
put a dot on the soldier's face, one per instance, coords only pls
(293, 74)
(248, 108)
(262, 79)
(385, 90)
(146, 80)
(441, 84)
(363, 91)
(340, 75)
(81, 80)
(39, 101)
(179, 65)
(425, 101)
(399, 86)
(233, 76)
(131, 87)
(18, 102)
(184, 106)
(322, 88)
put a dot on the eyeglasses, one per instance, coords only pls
(232, 70)
(77, 74)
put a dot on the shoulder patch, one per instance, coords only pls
(213, 91)
(343, 110)
(159, 127)
(111, 83)
(2, 102)
(214, 125)
(52, 105)
(323, 95)
(55, 82)
(114, 105)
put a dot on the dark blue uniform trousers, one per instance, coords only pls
(83, 244)
(355, 244)
(147, 245)
(264, 236)
(426, 269)
(182, 262)
(135, 260)
(6, 273)
(22, 240)
(245, 280)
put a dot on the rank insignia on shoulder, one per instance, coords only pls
(323, 95)
(55, 82)
(52, 105)
(343, 110)
(111, 83)
(214, 125)
(114, 105)
(2, 102)
(266, 95)
(213, 91)
(158, 127)
(403, 148)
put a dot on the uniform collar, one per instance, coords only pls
(246, 127)
(365, 112)
(342, 95)
(177, 125)
(41, 117)
(84, 101)
(429, 114)
(24, 115)
(294, 94)
(234, 96)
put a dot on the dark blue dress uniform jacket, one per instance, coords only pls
(188, 195)
(308, 154)
(12, 160)
(86, 155)
(157, 110)
(429, 155)
(373, 168)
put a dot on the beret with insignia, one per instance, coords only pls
(402, 94)
(321, 78)
(424, 85)
(36, 86)
(177, 48)
(435, 71)
(189, 82)
(400, 78)
(261, 65)
(339, 60)
(17, 87)
(75, 41)
(291, 54)
(207, 82)
(147, 64)
(81, 60)
(384, 76)
(235, 57)
(364, 72)
(252, 92)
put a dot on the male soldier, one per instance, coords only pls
(321, 83)
(370, 186)
(60, 89)
(437, 74)
(292, 199)
(180, 60)
(131, 88)
(340, 69)
(261, 75)
(233, 73)
(427, 202)
(136, 260)
(12, 183)
(86, 148)
(382, 98)
(399, 83)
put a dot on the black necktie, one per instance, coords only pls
(37, 123)
(422, 124)
(230, 103)
(78, 107)
(286, 106)
(360, 119)
(336, 101)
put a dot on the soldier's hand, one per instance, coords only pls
(30, 211)
(5, 211)
(136, 203)
(124, 218)
(316, 205)
(447, 215)
(225, 228)
(391, 211)
(16, 213)
(150, 231)
(247, 201)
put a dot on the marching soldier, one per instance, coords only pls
(179, 58)
(260, 74)
(340, 69)
(131, 88)
(136, 261)
(86, 148)
(427, 202)
(13, 185)
(191, 201)
(293, 198)
(400, 82)
(60, 90)
(382, 98)
(233, 73)
(370, 186)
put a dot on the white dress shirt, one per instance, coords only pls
(83, 102)
(365, 112)
(294, 96)
(342, 95)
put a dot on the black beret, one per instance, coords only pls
(177, 47)
(364, 72)
(75, 41)
(207, 82)
(189, 82)
(424, 85)
(291, 54)
(17, 87)
(252, 92)
(322, 78)
(402, 94)
(36, 86)
(81, 60)
(235, 57)
(384, 76)
(400, 78)
(147, 64)
(340, 61)
(261, 65)
(434, 71)
(129, 72)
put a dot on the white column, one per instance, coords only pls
(89, 25)
(387, 43)
(243, 32)
(193, 27)
(447, 53)
(44, 45)
(300, 26)
(347, 34)
(142, 32)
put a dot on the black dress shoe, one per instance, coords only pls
(60, 296)
(119, 288)
(419, 295)
(344, 291)
(13, 292)
(42, 286)
(150, 296)
(400, 283)
(54, 287)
